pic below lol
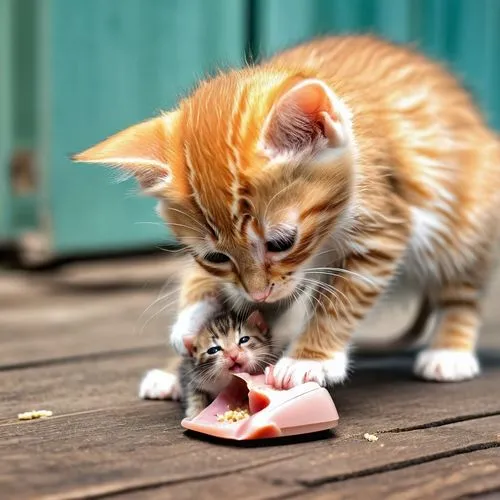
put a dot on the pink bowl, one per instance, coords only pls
(303, 409)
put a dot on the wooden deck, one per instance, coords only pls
(76, 343)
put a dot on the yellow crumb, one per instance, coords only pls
(231, 416)
(31, 415)
(370, 437)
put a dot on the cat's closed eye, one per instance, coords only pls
(282, 243)
(216, 257)
(214, 350)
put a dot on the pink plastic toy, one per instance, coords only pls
(273, 413)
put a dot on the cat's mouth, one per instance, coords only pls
(236, 368)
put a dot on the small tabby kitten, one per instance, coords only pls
(226, 345)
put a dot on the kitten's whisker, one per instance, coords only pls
(152, 223)
(162, 309)
(189, 216)
(274, 197)
(333, 291)
(195, 230)
(319, 302)
(167, 250)
(340, 270)
(159, 298)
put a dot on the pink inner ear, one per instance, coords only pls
(304, 119)
(311, 99)
(189, 344)
(256, 320)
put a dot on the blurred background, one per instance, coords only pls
(75, 71)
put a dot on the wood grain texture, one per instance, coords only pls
(475, 473)
(101, 426)
(73, 352)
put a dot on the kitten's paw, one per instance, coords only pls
(158, 384)
(290, 372)
(190, 321)
(446, 365)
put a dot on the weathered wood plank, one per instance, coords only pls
(103, 440)
(139, 439)
(381, 394)
(75, 387)
(474, 473)
(77, 312)
(459, 476)
(132, 449)
(330, 461)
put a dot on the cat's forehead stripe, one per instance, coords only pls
(233, 143)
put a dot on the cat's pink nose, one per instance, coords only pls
(261, 295)
(233, 354)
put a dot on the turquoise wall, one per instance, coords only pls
(75, 71)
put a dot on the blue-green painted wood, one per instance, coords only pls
(24, 213)
(462, 33)
(103, 66)
(6, 123)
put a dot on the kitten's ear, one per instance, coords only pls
(139, 151)
(189, 344)
(307, 119)
(256, 320)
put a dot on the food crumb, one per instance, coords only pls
(31, 415)
(370, 437)
(231, 416)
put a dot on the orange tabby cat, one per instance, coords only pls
(308, 182)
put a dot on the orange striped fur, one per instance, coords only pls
(371, 155)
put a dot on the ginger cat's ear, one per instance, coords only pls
(139, 150)
(306, 120)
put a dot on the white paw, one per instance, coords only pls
(290, 372)
(446, 365)
(158, 384)
(190, 321)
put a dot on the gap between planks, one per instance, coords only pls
(297, 487)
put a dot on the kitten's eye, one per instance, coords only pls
(214, 350)
(244, 339)
(216, 257)
(282, 243)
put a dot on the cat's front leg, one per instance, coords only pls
(198, 303)
(320, 354)
(196, 401)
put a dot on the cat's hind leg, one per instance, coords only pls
(451, 356)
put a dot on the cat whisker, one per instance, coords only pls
(274, 197)
(159, 298)
(162, 309)
(340, 270)
(189, 216)
(168, 250)
(190, 228)
(333, 291)
(313, 297)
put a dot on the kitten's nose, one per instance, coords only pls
(233, 354)
(262, 295)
